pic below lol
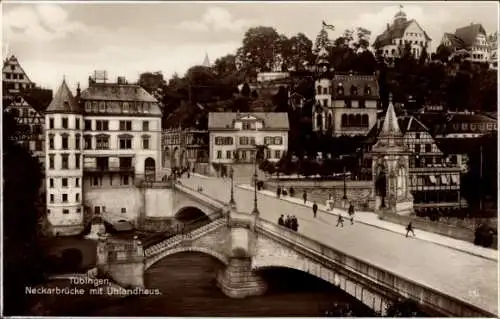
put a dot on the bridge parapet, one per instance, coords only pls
(177, 239)
(352, 271)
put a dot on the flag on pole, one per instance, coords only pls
(328, 26)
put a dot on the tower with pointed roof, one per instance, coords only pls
(64, 167)
(206, 61)
(323, 84)
(390, 167)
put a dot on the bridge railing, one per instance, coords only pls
(180, 229)
(178, 238)
(199, 194)
(380, 277)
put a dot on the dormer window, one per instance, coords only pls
(146, 107)
(340, 89)
(102, 107)
(354, 90)
(368, 90)
(246, 125)
(126, 107)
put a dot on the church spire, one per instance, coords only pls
(206, 61)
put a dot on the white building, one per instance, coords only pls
(64, 169)
(392, 41)
(100, 146)
(472, 39)
(233, 136)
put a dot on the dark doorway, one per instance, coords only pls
(381, 187)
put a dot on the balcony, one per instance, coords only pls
(107, 169)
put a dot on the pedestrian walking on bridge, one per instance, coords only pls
(315, 209)
(350, 211)
(340, 221)
(295, 223)
(281, 220)
(278, 192)
(304, 196)
(292, 192)
(409, 228)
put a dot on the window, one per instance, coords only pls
(125, 142)
(145, 142)
(145, 125)
(354, 90)
(102, 107)
(88, 125)
(124, 180)
(64, 182)
(52, 198)
(64, 139)
(77, 197)
(65, 211)
(126, 107)
(8, 76)
(228, 154)
(51, 123)
(325, 103)
(223, 140)
(102, 163)
(361, 104)
(278, 140)
(277, 154)
(417, 148)
(417, 136)
(64, 122)
(243, 140)
(125, 125)
(124, 210)
(102, 142)
(51, 182)
(65, 198)
(65, 161)
(325, 90)
(95, 182)
(428, 148)
(252, 140)
(246, 125)
(125, 162)
(101, 125)
(268, 153)
(78, 210)
(48, 211)
(219, 154)
(77, 124)
(77, 161)
(318, 89)
(51, 161)
(77, 182)
(88, 142)
(77, 141)
(51, 142)
(146, 107)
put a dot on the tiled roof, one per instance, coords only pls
(63, 101)
(455, 41)
(224, 120)
(359, 81)
(405, 123)
(117, 92)
(468, 34)
(395, 31)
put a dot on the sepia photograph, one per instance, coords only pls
(249, 159)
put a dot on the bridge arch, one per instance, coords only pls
(191, 213)
(169, 252)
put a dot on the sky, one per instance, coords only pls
(56, 39)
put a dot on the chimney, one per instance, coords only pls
(387, 26)
(78, 90)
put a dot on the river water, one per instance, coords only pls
(188, 286)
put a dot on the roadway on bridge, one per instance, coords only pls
(467, 277)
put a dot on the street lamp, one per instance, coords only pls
(345, 188)
(255, 208)
(231, 201)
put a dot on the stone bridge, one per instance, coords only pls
(245, 244)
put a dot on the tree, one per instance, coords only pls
(259, 48)
(225, 66)
(22, 180)
(298, 51)
(443, 53)
(363, 37)
(423, 56)
(322, 41)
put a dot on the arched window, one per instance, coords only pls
(340, 89)
(351, 120)
(368, 90)
(344, 120)
(354, 90)
(364, 121)
(319, 121)
(393, 51)
(357, 120)
(318, 89)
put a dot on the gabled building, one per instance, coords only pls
(346, 104)
(434, 179)
(471, 39)
(31, 124)
(402, 31)
(14, 78)
(234, 136)
(184, 148)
